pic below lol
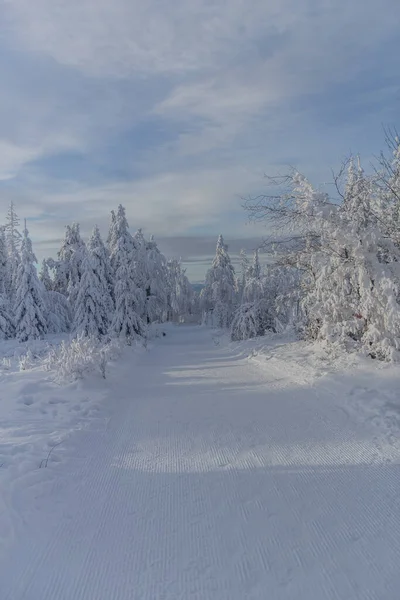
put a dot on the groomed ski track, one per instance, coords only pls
(212, 479)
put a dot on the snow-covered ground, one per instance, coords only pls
(38, 415)
(205, 470)
(367, 390)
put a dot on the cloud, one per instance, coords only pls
(126, 36)
(165, 205)
(12, 157)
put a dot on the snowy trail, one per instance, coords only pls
(212, 480)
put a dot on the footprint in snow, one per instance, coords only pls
(27, 401)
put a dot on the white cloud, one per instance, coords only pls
(12, 157)
(124, 36)
(165, 205)
(230, 63)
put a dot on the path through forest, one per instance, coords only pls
(211, 479)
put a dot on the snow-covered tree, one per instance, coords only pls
(68, 266)
(242, 277)
(6, 319)
(180, 292)
(93, 305)
(90, 313)
(387, 188)
(219, 293)
(151, 276)
(349, 264)
(4, 281)
(13, 244)
(75, 266)
(102, 267)
(257, 311)
(253, 290)
(58, 312)
(246, 322)
(44, 276)
(112, 233)
(129, 299)
(7, 328)
(118, 228)
(30, 308)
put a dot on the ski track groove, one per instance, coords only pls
(215, 480)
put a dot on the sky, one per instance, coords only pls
(177, 109)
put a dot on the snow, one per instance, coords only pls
(37, 416)
(203, 469)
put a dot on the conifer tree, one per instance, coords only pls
(254, 286)
(30, 309)
(6, 319)
(93, 305)
(112, 235)
(13, 244)
(58, 313)
(127, 322)
(180, 292)
(102, 266)
(219, 293)
(67, 267)
(244, 267)
(152, 277)
(44, 276)
(91, 310)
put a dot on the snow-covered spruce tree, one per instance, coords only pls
(129, 300)
(44, 276)
(242, 277)
(67, 269)
(75, 266)
(13, 244)
(102, 267)
(3, 264)
(141, 271)
(180, 292)
(7, 328)
(112, 233)
(90, 314)
(6, 319)
(152, 276)
(30, 308)
(58, 312)
(93, 305)
(118, 228)
(157, 291)
(61, 266)
(253, 290)
(218, 296)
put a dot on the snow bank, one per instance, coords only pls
(364, 388)
(39, 410)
